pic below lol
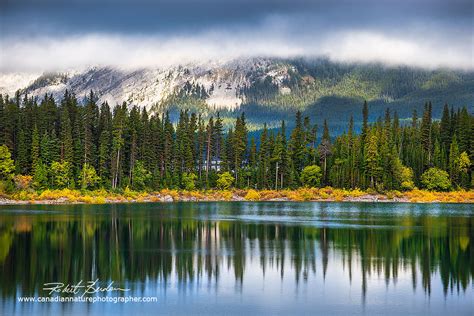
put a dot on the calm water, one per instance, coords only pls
(243, 258)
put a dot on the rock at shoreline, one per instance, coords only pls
(167, 198)
(282, 199)
(236, 197)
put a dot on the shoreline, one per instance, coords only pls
(328, 194)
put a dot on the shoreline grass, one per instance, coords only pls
(101, 196)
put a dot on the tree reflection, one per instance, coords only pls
(132, 247)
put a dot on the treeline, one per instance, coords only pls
(69, 145)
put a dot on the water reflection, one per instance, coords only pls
(204, 242)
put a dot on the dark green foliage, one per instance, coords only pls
(91, 147)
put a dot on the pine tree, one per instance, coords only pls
(453, 158)
(297, 143)
(365, 120)
(278, 156)
(264, 159)
(46, 149)
(35, 148)
(133, 132)
(22, 153)
(89, 125)
(209, 146)
(78, 143)
(105, 140)
(325, 150)
(168, 150)
(465, 135)
(445, 128)
(218, 139)
(372, 158)
(426, 137)
(117, 143)
(253, 163)
(239, 145)
(67, 150)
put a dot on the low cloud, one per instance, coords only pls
(276, 38)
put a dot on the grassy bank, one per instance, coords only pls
(303, 194)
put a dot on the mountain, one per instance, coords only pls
(267, 89)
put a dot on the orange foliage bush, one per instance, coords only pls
(22, 182)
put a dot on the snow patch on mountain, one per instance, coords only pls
(150, 87)
(11, 82)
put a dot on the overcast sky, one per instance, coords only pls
(40, 35)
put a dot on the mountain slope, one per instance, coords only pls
(267, 89)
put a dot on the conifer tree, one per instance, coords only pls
(325, 150)
(239, 145)
(372, 158)
(67, 150)
(445, 128)
(35, 148)
(117, 143)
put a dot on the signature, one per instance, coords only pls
(81, 287)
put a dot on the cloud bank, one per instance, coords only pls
(130, 52)
(55, 37)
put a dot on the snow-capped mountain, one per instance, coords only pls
(265, 88)
(150, 87)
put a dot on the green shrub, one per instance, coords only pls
(311, 176)
(7, 165)
(141, 176)
(61, 174)
(188, 181)
(225, 180)
(436, 179)
(89, 177)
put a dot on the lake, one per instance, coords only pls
(241, 258)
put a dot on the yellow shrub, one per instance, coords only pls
(226, 195)
(271, 194)
(100, 200)
(323, 195)
(421, 196)
(304, 194)
(155, 198)
(69, 194)
(371, 191)
(196, 194)
(173, 193)
(293, 196)
(357, 192)
(252, 195)
(394, 194)
(24, 195)
(86, 199)
(45, 195)
(130, 194)
(327, 190)
(99, 192)
(338, 195)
